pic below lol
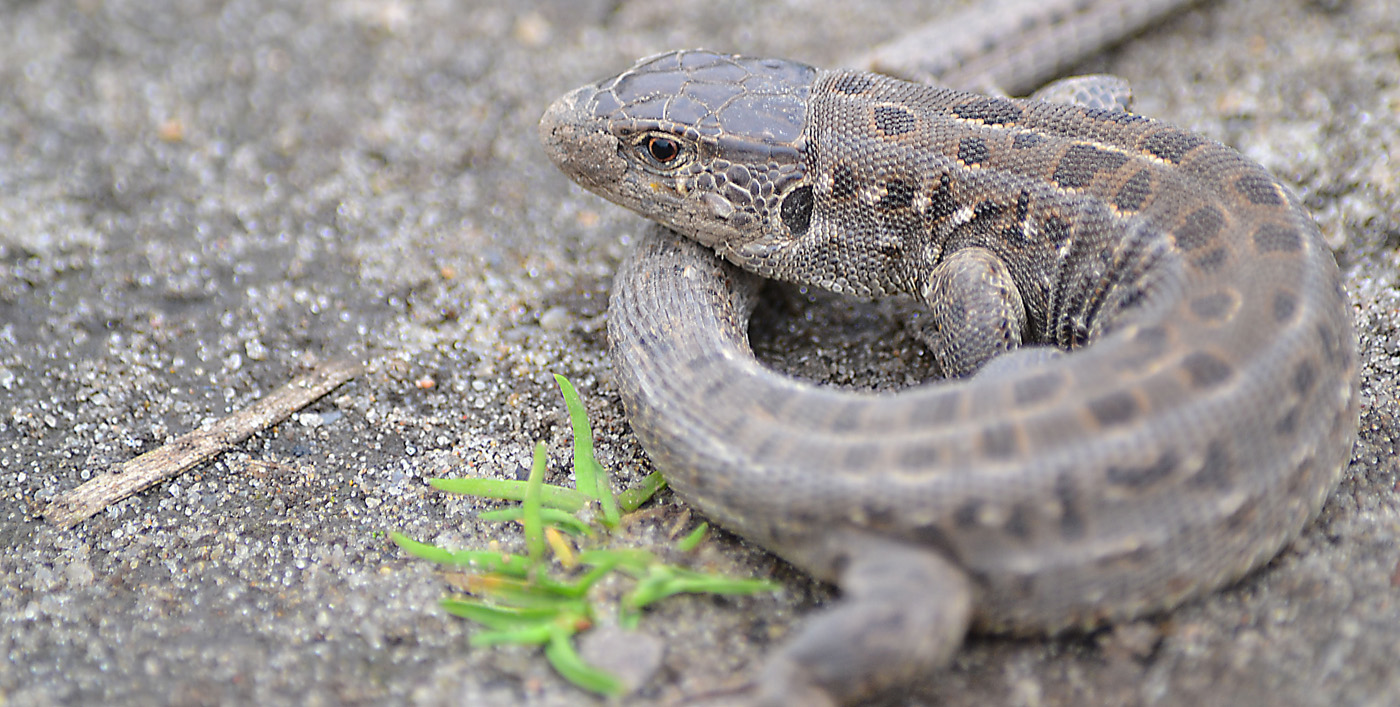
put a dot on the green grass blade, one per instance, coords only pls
(633, 498)
(733, 586)
(525, 599)
(583, 436)
(589, 476)
(561, 654)
(529, 635)
(499, 618)
(564, 499)
(693, 539)
(607, 502)
(551, 516)
(539, 592)
(530, 506)
(481, 560)
(632, 561)
(487, 561)
(664, 580)
(595, 573)
(423, 550)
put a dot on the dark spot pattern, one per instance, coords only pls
(852, 84)
(769, 446)
(1000, 441)
(988, 210)
(1277, 238)
(1032, 390)
(941, 204)
(1213, 306)
(1206, 370)
(899, 194)
(972, 151)
(937, 409)
(1212, 259)
(1120, 117)
(731, 426)
(919, 456)
(1071, 516)
(1024, 141)
(934, 537)
(1017, 523)
(796, 210)
(1023, 206)
(1284, 307)
(892, 121)
(1134, 192)
(859, 454)
(839, 563)
(882, 516)
(1215, 468)
(776, 402)
(847, 419)
(1153, 339)
(843, 182)
(966, 514)
(1141, 477)
(1259, 189)
(1304, 376)
(1114, 409)
(1020, 588)
(1081, 162)
(1330, 338)
(1015, 233)
(1057, 230)
(1200, 228)
(991, 111)
(1172, 145)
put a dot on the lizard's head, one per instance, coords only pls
(708, 144)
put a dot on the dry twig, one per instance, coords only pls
(190, 449)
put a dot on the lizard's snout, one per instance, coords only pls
(579, 143)
(556, 126)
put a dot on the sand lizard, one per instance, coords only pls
(1205, 410)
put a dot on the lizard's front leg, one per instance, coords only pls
(976, 311)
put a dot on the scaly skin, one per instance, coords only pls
(1206, 407)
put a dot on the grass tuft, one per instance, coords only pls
(543, 598)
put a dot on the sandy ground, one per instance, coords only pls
(198, 201)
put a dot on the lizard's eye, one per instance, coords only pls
(663, 149)
(662, 152)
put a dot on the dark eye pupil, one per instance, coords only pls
(663, 149)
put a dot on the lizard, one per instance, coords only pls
(1153, 366)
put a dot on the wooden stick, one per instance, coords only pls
(157, 465)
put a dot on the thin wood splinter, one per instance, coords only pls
(170, 460)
